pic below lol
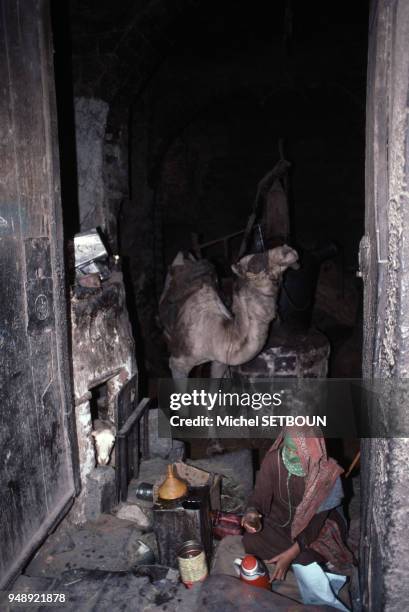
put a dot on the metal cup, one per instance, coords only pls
(144, 491)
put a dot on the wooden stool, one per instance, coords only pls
(177, 524)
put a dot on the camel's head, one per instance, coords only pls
(268, 265)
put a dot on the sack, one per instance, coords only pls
(226, 523)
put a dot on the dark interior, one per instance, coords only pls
(199, 96)
(167, 116)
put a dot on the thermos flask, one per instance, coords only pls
(253, 571)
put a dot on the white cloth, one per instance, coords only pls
(319, 587)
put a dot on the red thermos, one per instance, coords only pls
(253, 571)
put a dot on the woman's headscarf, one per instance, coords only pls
(321, 472)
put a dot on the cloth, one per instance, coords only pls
(182, 282)
(319, 587)
(335, 497)
(321, 474)
(276, 498)
(291, 458)
(330, 544)
(308, 502)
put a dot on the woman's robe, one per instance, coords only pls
(277, 501)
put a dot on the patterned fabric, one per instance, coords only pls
(334, 499)
(321, 473)
(273, 499)
(321, 483)
(330, 545)
(291, 459)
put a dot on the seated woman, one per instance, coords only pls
(292, 514)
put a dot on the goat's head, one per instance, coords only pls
(104, 443)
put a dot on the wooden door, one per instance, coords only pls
(37, 479)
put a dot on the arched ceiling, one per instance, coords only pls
(116, 46)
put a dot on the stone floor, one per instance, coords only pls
(104, 565)
(97, 591)
(96, 567)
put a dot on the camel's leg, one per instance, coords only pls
(179, 374)
(179, 368)
(217, 369)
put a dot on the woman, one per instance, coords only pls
(292, 515)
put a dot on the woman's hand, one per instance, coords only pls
(251, 521)
(283, 561)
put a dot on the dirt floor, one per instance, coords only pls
(110, 565)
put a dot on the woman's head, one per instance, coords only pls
(319, 471)
(291, 458)
(302, 446)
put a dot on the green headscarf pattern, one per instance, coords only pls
(290, 457)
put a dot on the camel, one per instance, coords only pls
(198, 326)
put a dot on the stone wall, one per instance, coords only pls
(102, 353)
(90, 123)
(115, 171)
(384, 261)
